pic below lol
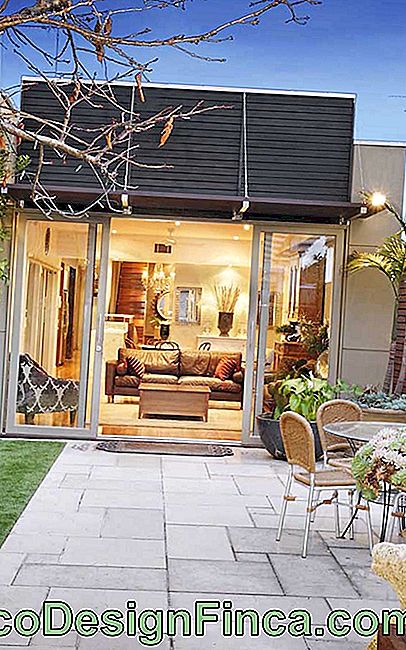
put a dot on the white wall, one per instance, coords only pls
(369, 300)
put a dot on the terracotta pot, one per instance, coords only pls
(225, 322)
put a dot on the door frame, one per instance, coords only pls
(259, 286)
(16, 309)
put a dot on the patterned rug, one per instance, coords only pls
(170, 448)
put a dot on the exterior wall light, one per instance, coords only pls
(378, 200)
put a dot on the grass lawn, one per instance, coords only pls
(23, 465)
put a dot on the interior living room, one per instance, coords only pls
(175, 331)
(173, 356)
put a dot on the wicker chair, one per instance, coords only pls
(337, 452)
(298, 440)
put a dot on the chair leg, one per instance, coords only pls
(317, 499)
(72, 418)
(351, 506)
(337, 515)
(369, 528)
(284, 504)
(393, 517)
(29, 418)
(308, 517)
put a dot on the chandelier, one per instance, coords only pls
(160, 281)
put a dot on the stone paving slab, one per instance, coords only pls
(224, 577)
(133, 524)
(316, 576)
(34, 543)
(83, 482)
(120, 552)
(217, 486)
(9, 565)
(59, 523)
(91, 577)
(118, 499)
(200, 515)
(263, 540)
(198, 543)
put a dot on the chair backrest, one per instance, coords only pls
(298, 440)
(167, 345)
(205, 345)
(336, 410)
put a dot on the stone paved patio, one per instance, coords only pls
(163, 530)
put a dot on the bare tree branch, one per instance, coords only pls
(87, 28)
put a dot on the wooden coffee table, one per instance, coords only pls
(170, 399)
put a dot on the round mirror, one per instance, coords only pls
(164, 306)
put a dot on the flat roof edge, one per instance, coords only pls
(380, 143)
(226, 89)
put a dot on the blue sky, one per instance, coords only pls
(354, 46)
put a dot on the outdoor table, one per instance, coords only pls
(356, 432)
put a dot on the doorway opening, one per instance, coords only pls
(175, 331)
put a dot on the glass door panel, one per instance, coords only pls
(297, 316)
(55, 322)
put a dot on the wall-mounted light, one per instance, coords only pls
(378, 200)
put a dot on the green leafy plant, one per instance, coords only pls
(20, 164)
(314, 337)
(305, 394)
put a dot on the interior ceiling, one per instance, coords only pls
(160, 229)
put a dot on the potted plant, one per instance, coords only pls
(302, 395)
(379, 406)
(226, 298)
(383, 459)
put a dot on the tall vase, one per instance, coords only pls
(225, 322)
(164, 330)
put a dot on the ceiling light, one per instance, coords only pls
(247, 226)
(114, 232)
(177, 223)
(236, 237)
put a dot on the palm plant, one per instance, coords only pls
(389, 259)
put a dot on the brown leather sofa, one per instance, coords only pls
(177, 367)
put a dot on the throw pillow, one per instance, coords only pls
(135, 366)
(121, 368)
(225, 369)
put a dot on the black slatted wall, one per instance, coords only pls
(297, 146)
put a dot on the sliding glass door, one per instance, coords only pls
(57, 321)
(294, 314)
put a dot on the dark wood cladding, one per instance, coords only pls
(298, 146)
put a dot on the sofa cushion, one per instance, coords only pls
(226, 367)
(193, 380)
(163, 362)
(229, 386)
(194, 362)
(150, 378)
(128, 381)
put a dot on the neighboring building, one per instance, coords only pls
(263, 197)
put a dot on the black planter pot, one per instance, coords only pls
(270, 434)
